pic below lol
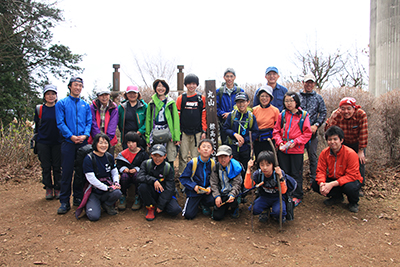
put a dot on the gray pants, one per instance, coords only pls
(93, 205)
(312, 156)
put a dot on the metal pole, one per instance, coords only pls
(116, 82)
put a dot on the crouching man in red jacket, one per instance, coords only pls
(338, 171)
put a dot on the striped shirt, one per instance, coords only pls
(355, 129)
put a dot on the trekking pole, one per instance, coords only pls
(279, 185)
(254, 199)
(246, 191)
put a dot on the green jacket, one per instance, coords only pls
(172, 119)
(140, 116)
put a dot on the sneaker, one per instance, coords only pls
(333, 201)
(150, 213)
(296, 201)
(57, 194)
(64, 208)
(77, 201)
(353, 208)
(264, 216)
(110, 209)
(122, 203)
(137, 204)
(235, 213)
(49, 194)
(206, 210)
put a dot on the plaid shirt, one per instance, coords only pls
(355, 129)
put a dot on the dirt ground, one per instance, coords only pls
(31, 233)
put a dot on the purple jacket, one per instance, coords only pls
(110, 124)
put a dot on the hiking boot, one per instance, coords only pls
(122, 203)
(110, 209)
(277, 219)
(264, 216)
(333, 201)
(137, 204)
(49, 193)
(150, 213)
(57, 194)
(235, 213)
(206, 210)
(77, 201)
(353, 207)
(64, 208)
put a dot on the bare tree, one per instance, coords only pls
(354, 73)
(324, 67)
(150, 67)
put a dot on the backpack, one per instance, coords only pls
(301, 121)
(166, 170)
(221, 91)
(250, 118)
(184, 99)
(39, 111)
(194, 166)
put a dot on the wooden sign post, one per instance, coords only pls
(212, 118)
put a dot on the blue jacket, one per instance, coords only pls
(73, 117)
(201, 177)
(244, 121)
(226, 102)
(278, 93)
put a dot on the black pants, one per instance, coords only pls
(362, 166)
(261, 146)
(219, 213)
(150, 197)
(222, 134)
(50, 159)
(292, 164)
(351, 190)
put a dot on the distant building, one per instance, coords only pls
(384, 46)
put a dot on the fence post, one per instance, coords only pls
(212, 118)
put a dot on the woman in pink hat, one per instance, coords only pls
(132, 115)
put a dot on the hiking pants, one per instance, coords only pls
(292, 164)
(93, 205)
(263, 203)
(219, 213)
(68, 155)
(261, 146)
(126, 180)
(192, 205)
(351, 190)
(189, 143)
(312, 156)
(150, 196)
(50, 159)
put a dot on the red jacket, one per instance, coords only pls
(344, 167)
(292, 132)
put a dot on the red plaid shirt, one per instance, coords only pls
(355, 129)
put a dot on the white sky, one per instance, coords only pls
(207, 36)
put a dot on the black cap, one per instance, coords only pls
(241, 96)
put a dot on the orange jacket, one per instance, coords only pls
(344, 167)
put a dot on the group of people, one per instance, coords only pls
(286, 120)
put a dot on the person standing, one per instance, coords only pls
(354, 123)
(74, 120)
(279, 91)
(132, 115)
(266, 116)
(226, 95)
(192, 112)
(104, 118)
(48, 142)
(314, 104)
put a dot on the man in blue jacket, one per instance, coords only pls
(226, 100)
(279, 91)
(74, 121)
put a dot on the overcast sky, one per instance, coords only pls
(207, 36)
